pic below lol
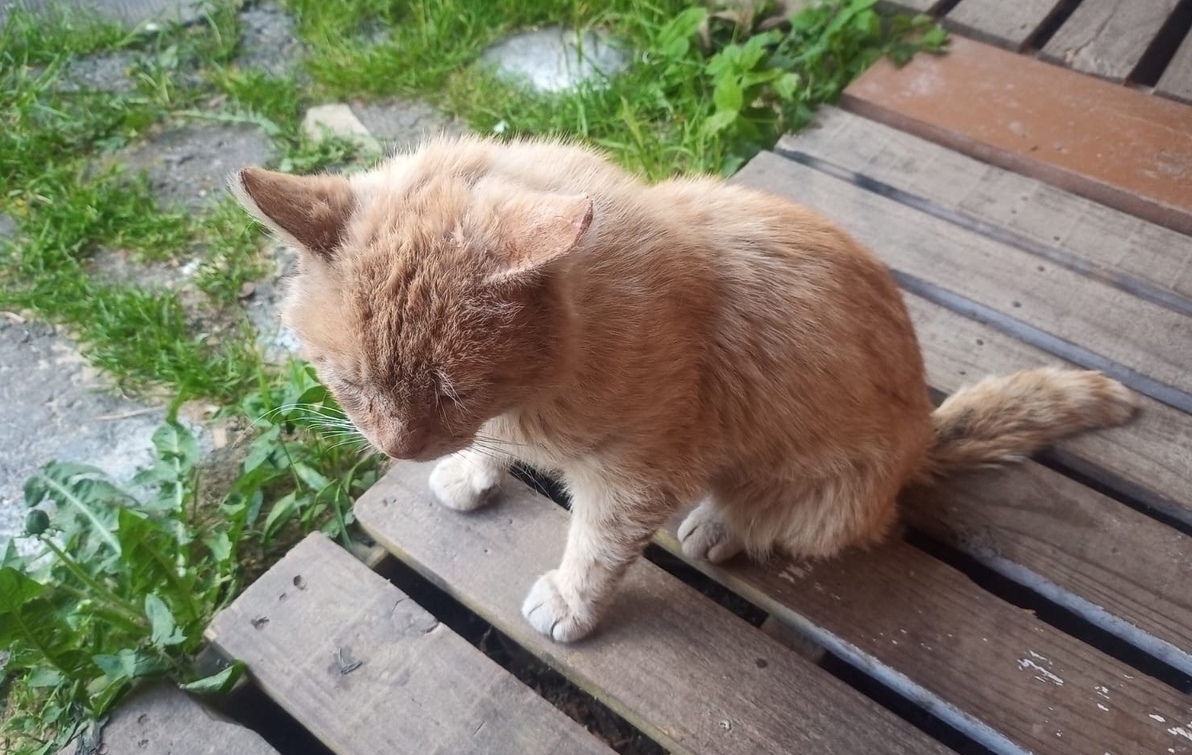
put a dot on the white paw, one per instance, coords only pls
(551, 614)
(704, 534)
(463, 484)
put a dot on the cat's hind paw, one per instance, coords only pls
(553, 615)
(705, 535)
(462, 483)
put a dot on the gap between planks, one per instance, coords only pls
(668, 660)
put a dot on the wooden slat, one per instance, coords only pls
(1055, 224)
(1134, 334)
(685, 671)
(1009, 24)
(922, 627)
(163, 719)
(1148, 592)
(368, 671)
(1107, 38)
(1120, 147)
(1176, 81)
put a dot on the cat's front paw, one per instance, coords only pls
(704, 534)
(563, 619)
(461, 484)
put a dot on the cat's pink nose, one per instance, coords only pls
(406, 446)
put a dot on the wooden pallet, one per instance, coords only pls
(1001, 272)
(1141, 42)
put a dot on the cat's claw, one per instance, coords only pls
(704, 535)
(460, 484)
(553, 615)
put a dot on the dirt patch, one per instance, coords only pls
(402, 124)
(268, 41)
(60, 409)
(111, 72)
(188, 164)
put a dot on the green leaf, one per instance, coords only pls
(282, 512)
(311, 476)
(216, 684)
(719, 121)
(164, 629)
(935, 38)
(786, 85)
(727, 96)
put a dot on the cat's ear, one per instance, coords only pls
(539, 228)
(311, 212)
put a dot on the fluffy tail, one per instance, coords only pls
(1005, 419)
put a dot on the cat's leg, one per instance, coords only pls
(467, 480)
(608, 531)
(705, 533)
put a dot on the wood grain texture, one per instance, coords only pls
(991, 670)
(1113, 243)
(1120, 147)
(1136, 334)
(1176, 81)
(1107, 38)
(1104, 561)
(685, 671)
(1007, 23)
(368, 671)
(163, 719)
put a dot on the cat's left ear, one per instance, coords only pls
(310, 212)
(537, 229)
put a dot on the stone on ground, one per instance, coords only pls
(337, 119)
(556, 59)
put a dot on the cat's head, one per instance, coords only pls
(427, 304)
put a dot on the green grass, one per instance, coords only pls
(137, 579)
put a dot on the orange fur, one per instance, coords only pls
(657, 345)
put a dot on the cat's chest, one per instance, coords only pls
(543, 440)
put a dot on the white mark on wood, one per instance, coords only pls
(1102, 707)
(1102, 691)
(1041, 674)
(1159, 718)
(1180, 731)
(792, 573)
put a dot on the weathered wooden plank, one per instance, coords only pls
(1107, 38)
(921, 626)
(1176, 81)
(1053, 223)
(1109, 143)
(685, 671)
(1008, 24)
(1117, 568)
(163, 719)
(1102, 320)
(367, 670)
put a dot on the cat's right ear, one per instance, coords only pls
(311, 212)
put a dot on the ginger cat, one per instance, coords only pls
(656, 345)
